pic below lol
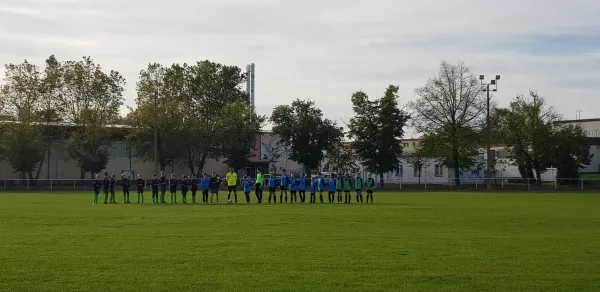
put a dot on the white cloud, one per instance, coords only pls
(325, 50)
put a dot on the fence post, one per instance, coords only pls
(425, 180)
(74, 185)
(476, 187)
(4, 184)
(581, 183)
(28, 184)
(400, 182)
(50, 184)
(555, 183)
(528, 184)
(502, 182)
(450, 184)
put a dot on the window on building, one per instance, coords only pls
(416, 171)
(501, 154)
(439, 170)
(399, 171)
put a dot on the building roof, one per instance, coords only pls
(578, 121)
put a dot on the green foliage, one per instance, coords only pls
(341, 159)
(303, 129)
(418, 159)
(91, 99)
(23, 148)
(571, 152)
(377, 128)
(527, 130)
(449, 112)
(239, 127)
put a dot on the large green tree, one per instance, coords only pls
(570, 152)
(238, 129)
(449, 112)
(377, 129)
(526, 127)
(156, 113)
(29, 97)
(91, 99)
(203, 90)
(302, 127)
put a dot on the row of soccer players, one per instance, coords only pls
(300, 185)
(158, 187)
(296, 185)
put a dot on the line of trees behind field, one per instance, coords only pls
(200, 111)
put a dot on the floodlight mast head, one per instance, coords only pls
(497, 77)
(481, 77)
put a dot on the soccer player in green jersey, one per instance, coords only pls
(358, 184)
(369, 185)
(125, 186)
(97, 186)
(347, 188)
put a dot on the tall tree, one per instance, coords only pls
(377, 128)
(156, 111)
(90, 98)
(527, 129)
(341, 159)
(303, 129)
(571, 152)
(203, 90)
(449, 111)
(238, 129)
(22, 96)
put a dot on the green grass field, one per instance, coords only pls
(404, 242)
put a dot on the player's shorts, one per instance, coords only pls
(369, 191)
(331, 192)
(283, 188)
(231, 188)
(271, 189)
(173, 190)
(214, 191)
(312, 194)
(358, 190)
(293, 192)
(339, 190)
(205, 192)
(246, 193)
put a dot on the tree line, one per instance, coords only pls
(200, 111)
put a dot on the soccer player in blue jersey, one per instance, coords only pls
(302, 188)
(313, 190)
(321, 186)
(283, 186)
(293, 189)
(331, 188)
(272, 185)
(205, 186)
(247, 183)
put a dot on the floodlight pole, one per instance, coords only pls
(488, 167)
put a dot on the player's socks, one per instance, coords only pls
(247, 198)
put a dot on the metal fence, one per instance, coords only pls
(441, 184)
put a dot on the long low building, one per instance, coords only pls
(58, 164)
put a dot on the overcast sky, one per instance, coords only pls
(327, 49)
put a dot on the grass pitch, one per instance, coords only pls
(404, 242)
